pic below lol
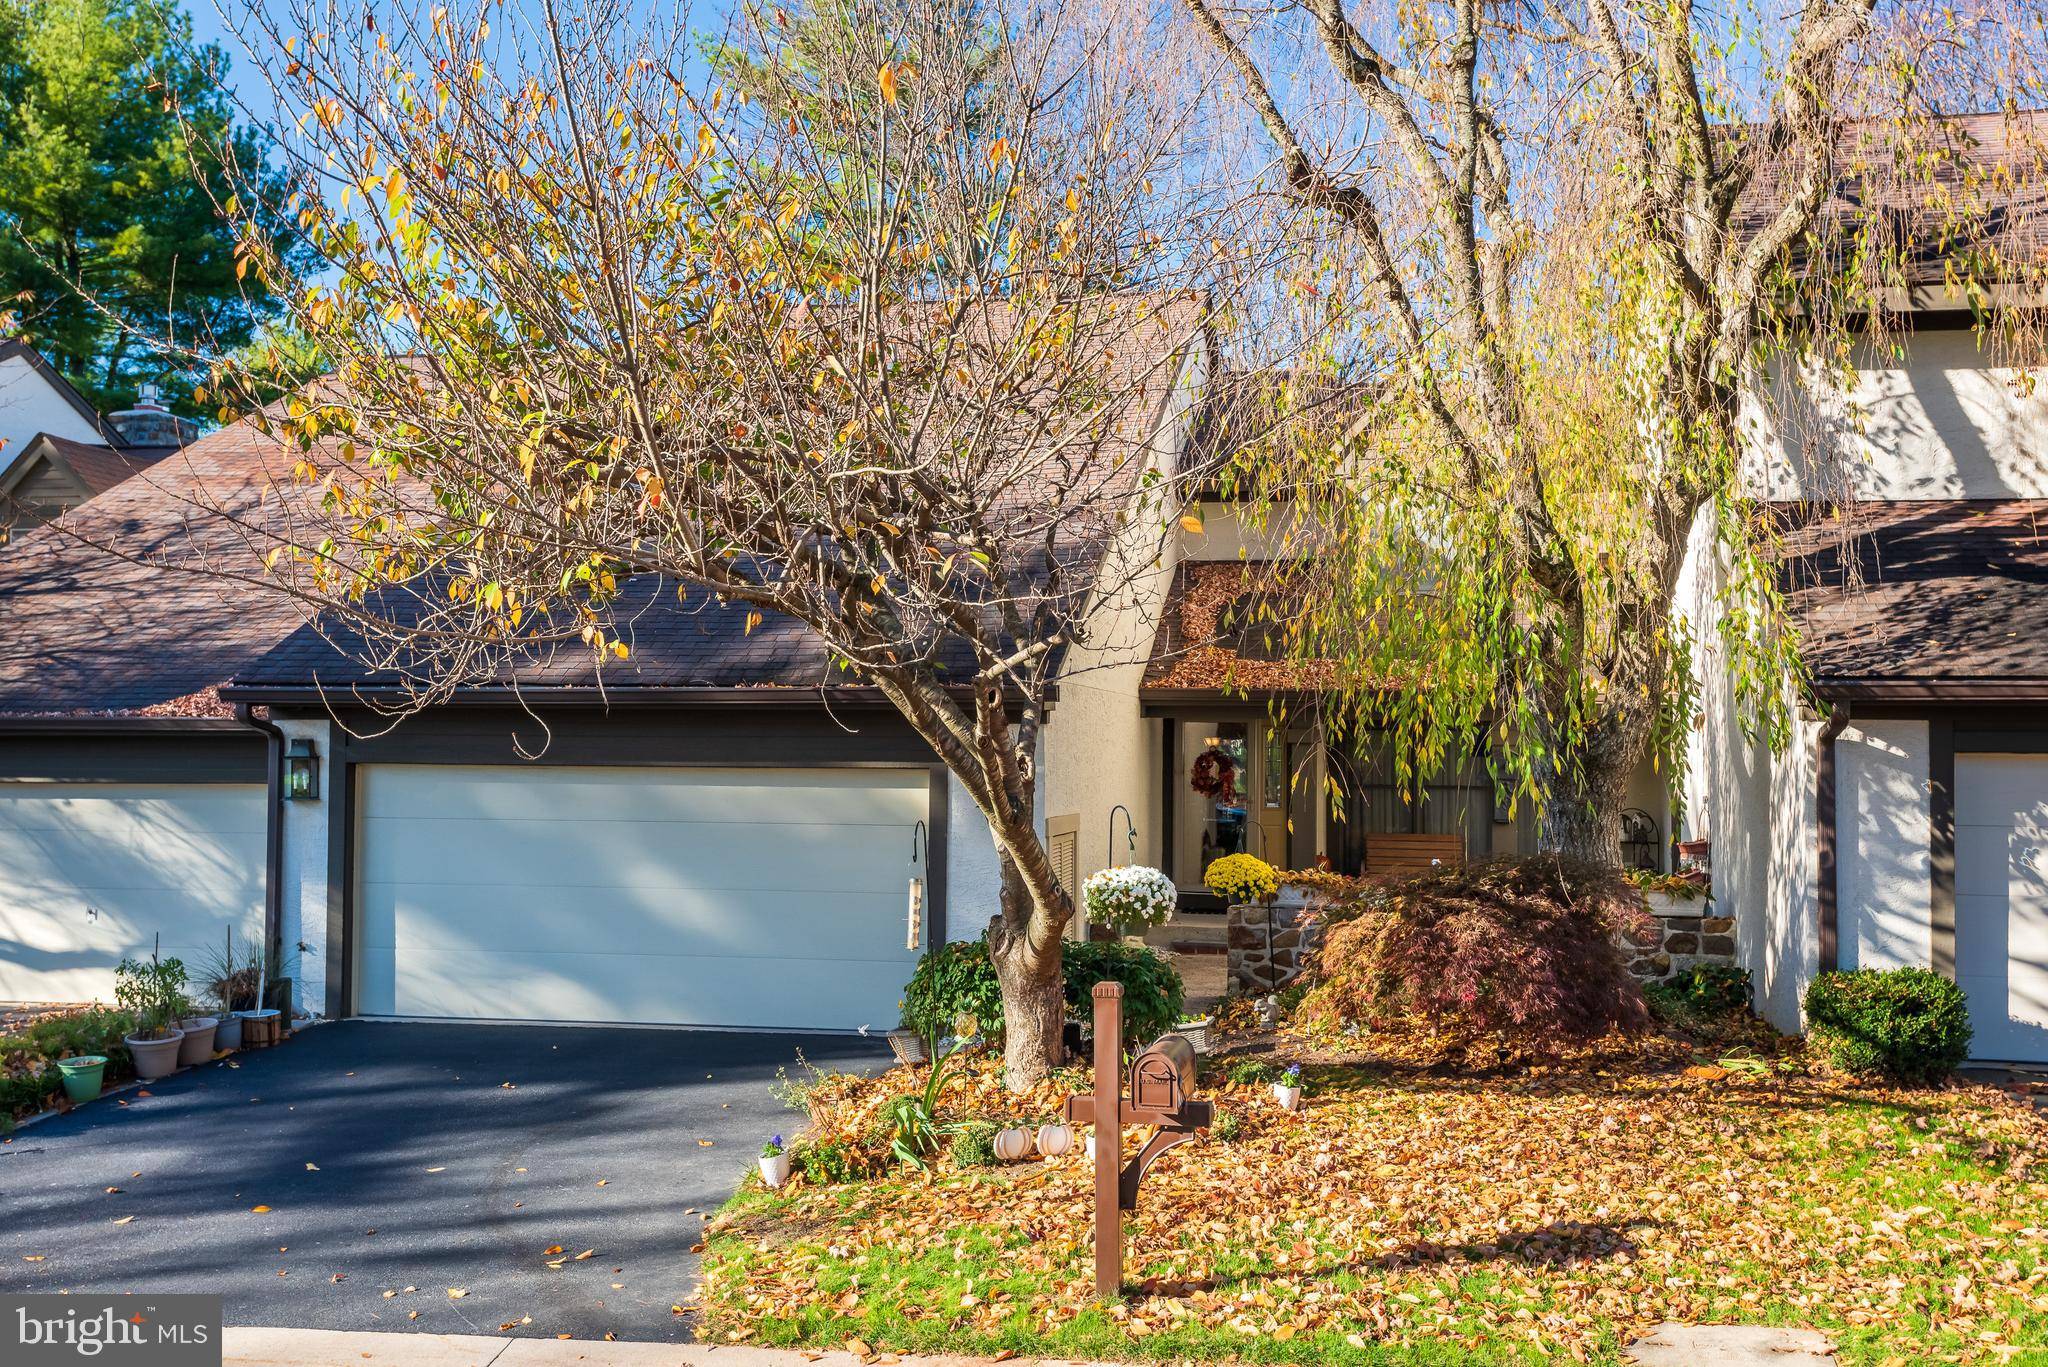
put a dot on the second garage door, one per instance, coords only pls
(2002, 903)
(756, 898)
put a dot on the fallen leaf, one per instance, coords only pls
(456, 1293)
(586, 1253)
(259, 1210)
(703, 1143)
(602, 1182)
(389, 1294)
(312, 1167)
(412, 1314)
(31, 1257)
(124, 1219)
(113, 1191)
(551, 1250)
(437, 1169)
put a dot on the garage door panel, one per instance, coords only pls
(722, 796)
(725, 897)
(570, 852)
(798, 994)
(91, 874)
(543, 920)
(2001, 939)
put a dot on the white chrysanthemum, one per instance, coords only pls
(1129, 896)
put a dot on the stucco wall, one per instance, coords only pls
(1100, 748)
(29, 405)
(1756, 806)
(1230, 532)
(1942, 422)
(1881, 823)
(303, 953)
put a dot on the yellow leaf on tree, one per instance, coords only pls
(887, 77)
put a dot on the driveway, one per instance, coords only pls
(411, 1159)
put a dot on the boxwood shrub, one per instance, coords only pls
(960, 979)
(1907, 1023)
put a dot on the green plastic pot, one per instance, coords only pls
(83, 1075)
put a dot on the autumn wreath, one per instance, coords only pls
(1215, 775)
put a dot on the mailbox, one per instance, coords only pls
(1163, 1076)
(1162, 1094)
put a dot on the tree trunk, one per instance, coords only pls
(1034, 997)
(1587, 782)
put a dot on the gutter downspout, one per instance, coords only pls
(273, 838)
(1828, 886)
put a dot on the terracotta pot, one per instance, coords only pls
(197, 1046)
(1055, 1141)
(155, 1058)
(1012, 1144)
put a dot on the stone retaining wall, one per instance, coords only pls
(1255, 970)
(1683, 933)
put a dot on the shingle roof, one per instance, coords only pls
(1974, 181)
(101, 612)
(1220, 630)
(85, 630)
(1925, 592)
(100, 468)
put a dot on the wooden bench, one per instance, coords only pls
(1404, 854)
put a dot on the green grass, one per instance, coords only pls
(1455, 1221)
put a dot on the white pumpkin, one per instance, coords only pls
(1055, 1140)
(1012, 1144)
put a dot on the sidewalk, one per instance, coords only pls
(336, 1348)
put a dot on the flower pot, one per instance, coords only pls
(1012, 1144)
(155, 1058)
(1196, 1032)
(259, 1028)
(1088, 1148)
(1055, 1141)
(908, 1046)
(228, 1034)
(83, 1075)
(1288, 1097)
(774, 1168)
(197, 1046)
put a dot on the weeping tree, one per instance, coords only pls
(1570, 242)
(879, 329)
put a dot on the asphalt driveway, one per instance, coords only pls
(411, 1159)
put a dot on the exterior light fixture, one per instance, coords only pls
(301, 771)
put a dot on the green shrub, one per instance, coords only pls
(1250, 1072)
(960, 979)
(974, 1143)
(1713, 989)
(1228, 1126)
(833, 1162)
(1908, 1023)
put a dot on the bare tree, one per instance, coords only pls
(889, 340)
(1572, 234)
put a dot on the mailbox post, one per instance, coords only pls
(1162, 1084)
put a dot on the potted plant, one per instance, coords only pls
(774, 1162)
(1195, 1029)
(1287, 1091)
(197, 1045)
(153, 993)
(1241, 879)
(1130, 898)
(83, 1075)
(231, 984)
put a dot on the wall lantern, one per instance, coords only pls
(301, 771)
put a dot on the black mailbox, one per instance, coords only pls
(1163, 1076)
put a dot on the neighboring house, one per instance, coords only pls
(57, 451)
(1907, 821)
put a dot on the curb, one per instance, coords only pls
(256, 1347)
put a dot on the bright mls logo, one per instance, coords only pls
(118, 1331)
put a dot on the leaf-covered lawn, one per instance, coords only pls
(1409, 1218)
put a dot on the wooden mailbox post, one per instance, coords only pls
(1162, 1085)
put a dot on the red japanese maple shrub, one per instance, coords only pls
(1530, 949)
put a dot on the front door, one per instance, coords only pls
(1231, 797)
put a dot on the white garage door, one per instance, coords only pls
(2002, 902)
(92, 873)
(763, 898)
